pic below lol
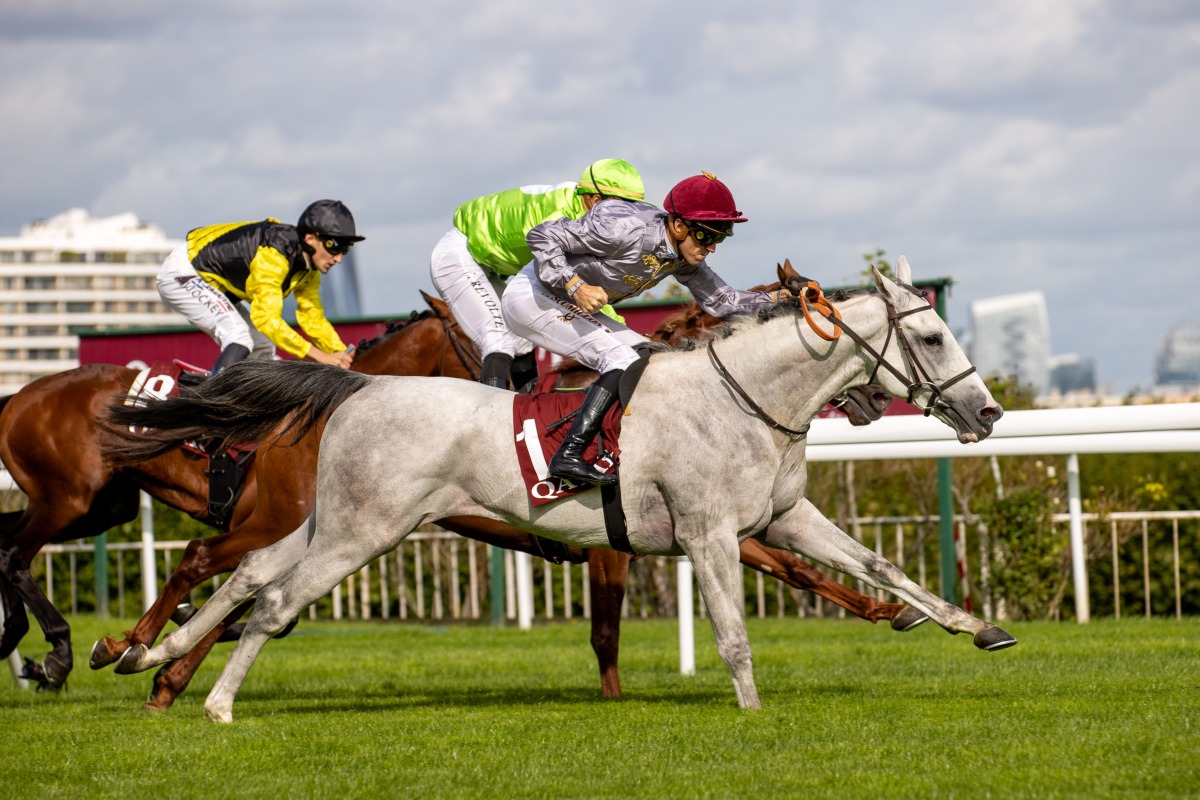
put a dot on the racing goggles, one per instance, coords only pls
(708, 234)
(335, 247)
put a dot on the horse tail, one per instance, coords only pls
(241, 404)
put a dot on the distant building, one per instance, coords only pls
(1177, 365)
(1071, 374)
(72, 272)
(1010, 335)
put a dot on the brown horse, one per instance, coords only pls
(48, 441)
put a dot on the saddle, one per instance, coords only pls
(541, 420)
(226, 466)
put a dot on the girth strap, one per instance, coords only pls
(614, 517)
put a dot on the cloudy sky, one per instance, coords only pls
(1011, 146)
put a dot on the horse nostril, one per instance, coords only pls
(990, 413)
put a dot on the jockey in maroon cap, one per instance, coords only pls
(617, 251)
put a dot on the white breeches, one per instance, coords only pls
(473, 294)
(209, 309)
(596, 341)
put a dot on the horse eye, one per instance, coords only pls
(933, 340)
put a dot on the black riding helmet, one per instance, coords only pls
(329, 218)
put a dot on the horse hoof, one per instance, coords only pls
(130, 662)
(182, 613)
(224, 717)
(993, 638)
(156, 703)
(105, 651)
(32, 671)
(907, 619)
(56, 670)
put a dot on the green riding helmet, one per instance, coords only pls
(612, 177)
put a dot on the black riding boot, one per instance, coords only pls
(230, 355)
(496, 369)
(524, 371)
(568, 461)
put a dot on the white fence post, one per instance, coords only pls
(687, 618)
(149, 565)
(1078, 551)
(524, 570)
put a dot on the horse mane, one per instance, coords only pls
(394, 326)
(732, 324)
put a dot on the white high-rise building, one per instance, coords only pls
(74, 272)
(1011, 336)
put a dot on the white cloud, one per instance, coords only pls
(1009, 145)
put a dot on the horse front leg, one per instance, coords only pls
(173, 678)
(806, 531)
(608, 572)
(325, 564)
(202, 559)
(719, 575)
(16, 620)
(799, 574)
(258, 568)
(57, 664)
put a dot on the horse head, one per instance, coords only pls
(926, 364)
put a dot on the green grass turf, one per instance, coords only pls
(1111, 709)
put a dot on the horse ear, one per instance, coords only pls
(438, 305)
(786, 271)
(886, 286)
(903, 271)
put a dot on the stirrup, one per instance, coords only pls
(575, 469)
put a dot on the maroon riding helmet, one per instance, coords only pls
(704, 203)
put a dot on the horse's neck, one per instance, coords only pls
(416, 349)
(787, 369)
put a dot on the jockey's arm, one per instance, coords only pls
(310, 313)
(719, 298)
(264, 287)
(552, 242)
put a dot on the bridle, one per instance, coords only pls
(923, 392)
(466, 353)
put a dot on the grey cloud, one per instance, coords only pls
(1009, 145)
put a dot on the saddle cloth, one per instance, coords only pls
(162, 380)
(540, 423)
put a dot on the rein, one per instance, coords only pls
(924, 393)
(469, 358)
(723, 371)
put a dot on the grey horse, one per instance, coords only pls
(713, 452)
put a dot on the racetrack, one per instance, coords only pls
(850, 710)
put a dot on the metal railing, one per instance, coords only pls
(436, 575)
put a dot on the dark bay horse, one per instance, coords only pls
(48, 441)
